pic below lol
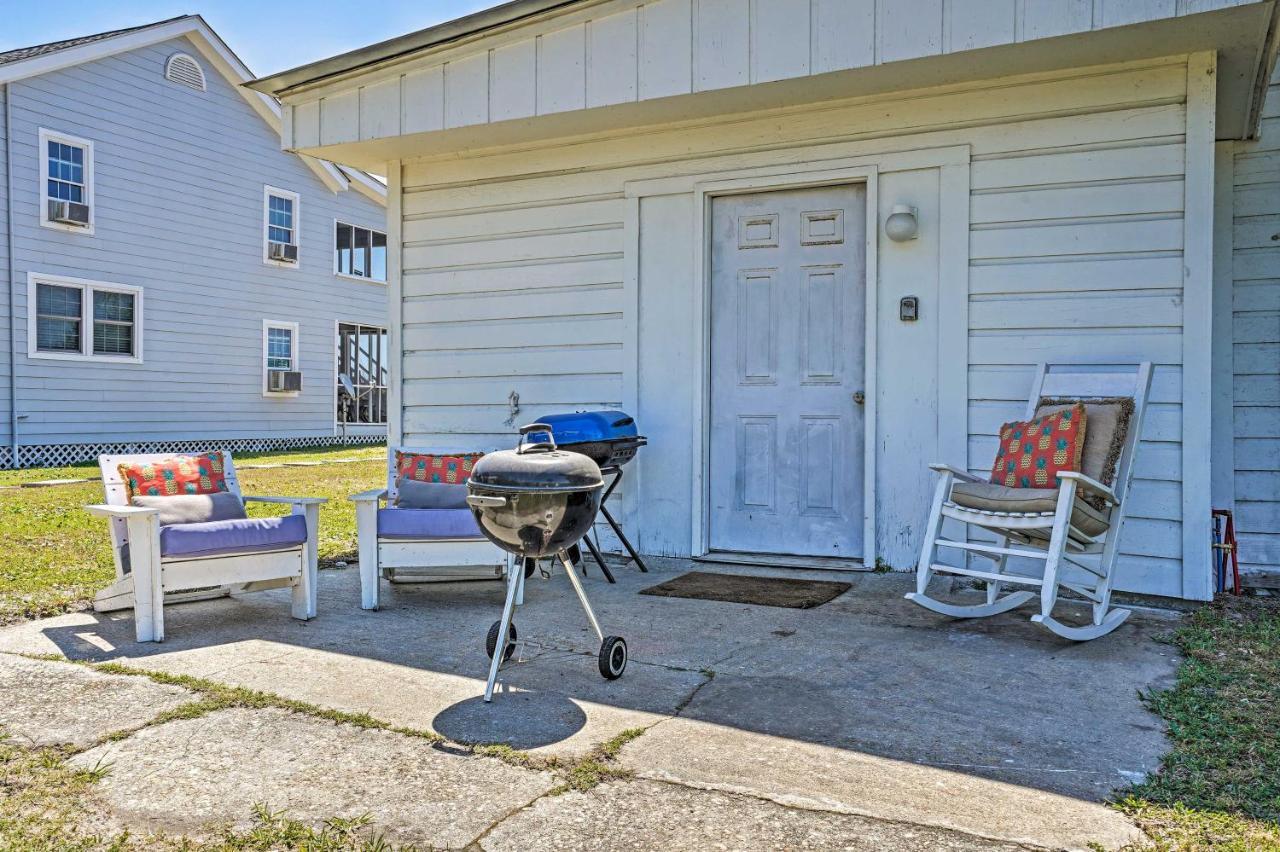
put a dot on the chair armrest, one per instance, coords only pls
(295, 501)
(105, 511)
(371, 496)
(1086, 484)
(962, 475)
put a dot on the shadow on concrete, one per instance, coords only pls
(521, 719)
(868, 673)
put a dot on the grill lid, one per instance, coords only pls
(580, 427)
(536, 466)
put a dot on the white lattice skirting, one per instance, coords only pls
(55, 455)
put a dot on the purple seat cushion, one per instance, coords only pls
(419, 524)
(220, 538)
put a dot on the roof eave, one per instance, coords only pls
(362, 59)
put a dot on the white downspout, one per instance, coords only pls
(8, 226)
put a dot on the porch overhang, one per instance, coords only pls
(463, 86)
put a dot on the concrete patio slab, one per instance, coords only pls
(644, 815)
(865, 706)
(184, 777)
(50, 703)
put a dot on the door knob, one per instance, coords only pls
(859, 397)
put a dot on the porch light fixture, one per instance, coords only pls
(902, 224)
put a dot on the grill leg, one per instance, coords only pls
(582, 596)
(617, 530)
(595, 552)
(515, 579)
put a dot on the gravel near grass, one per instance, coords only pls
(57, 555)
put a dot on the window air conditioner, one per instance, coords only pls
(69, 213)
(284, 381)
(285, 252)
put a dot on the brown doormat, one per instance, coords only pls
(762, 591)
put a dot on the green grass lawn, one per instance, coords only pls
(57, 555)
(1219, 788)
(90, 468)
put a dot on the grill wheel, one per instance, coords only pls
(613, 657)
(491, 641)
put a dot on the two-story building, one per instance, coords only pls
(173, 277)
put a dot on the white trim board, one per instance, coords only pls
(1197, 330)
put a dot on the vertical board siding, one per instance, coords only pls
(178, 202)
(626, 50)
(516, 268)
(1256, 341)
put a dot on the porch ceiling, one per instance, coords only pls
(377, 105)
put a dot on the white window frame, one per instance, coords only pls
(47, 136)
(295, 357)
(337, 359)
(87, 289)
(267, 192)
(360, 278)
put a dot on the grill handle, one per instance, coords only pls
(484, 501)
(540, 446)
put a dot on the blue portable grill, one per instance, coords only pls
(610, 439)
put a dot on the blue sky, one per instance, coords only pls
(269, 35)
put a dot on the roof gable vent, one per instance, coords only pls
(185, 71)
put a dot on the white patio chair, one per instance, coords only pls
(1075, 541)
(418, 545)
(147, 578)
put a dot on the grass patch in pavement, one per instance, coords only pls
(1219, 787)
(58, 555)
(46, 805)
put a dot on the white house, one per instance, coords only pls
(174, 279)
(574, 186)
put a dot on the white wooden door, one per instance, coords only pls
(787, 334)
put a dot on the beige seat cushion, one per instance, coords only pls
(1001, 498)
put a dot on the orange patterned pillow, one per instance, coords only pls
(425, 467)
(202, 474)
(1032, 453)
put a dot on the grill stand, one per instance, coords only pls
(617, 530)
(515, 597)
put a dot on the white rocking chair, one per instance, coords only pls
(431, 557)
(146, 580)
(1077, 542)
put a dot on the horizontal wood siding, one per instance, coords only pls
(179, 178)
(516, 270)
(625, 51)
(1256, 350)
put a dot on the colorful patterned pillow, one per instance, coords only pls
(1032, 453)
(424, 467)
(202, 474)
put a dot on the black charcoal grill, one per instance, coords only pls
(537, 501)
(610, 438)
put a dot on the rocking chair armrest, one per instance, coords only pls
(371, 496)
(962, 475)
(105, 511)
(294, 501)
(1085, 483)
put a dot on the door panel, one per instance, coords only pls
(787, 325)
